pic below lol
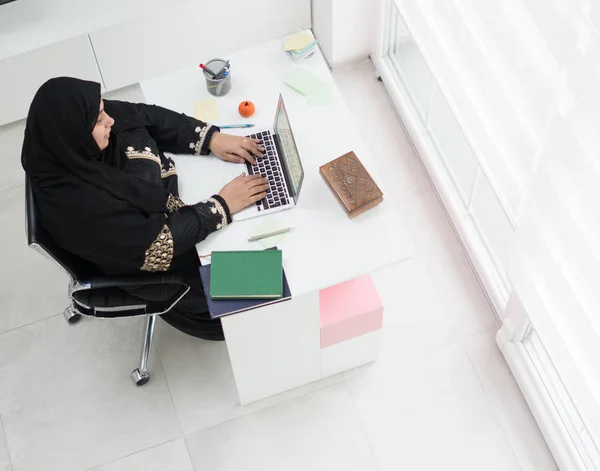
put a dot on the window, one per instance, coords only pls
(578, 432)
(506, 98)
(453, 149)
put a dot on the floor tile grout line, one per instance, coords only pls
(454, 323)
(489, 401)
(154, 343)
(364, 428)
(3, 437)
(187, 448)
(13, 187)
(30, 323)
(464, 253)
(493, 329)
(461, 252)
(250, 412)
(114, 460)
(436, 281)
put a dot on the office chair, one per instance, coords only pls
(94, 294)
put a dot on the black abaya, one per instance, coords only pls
(119, 208)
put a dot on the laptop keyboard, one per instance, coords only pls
(269, 167)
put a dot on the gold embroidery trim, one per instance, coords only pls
(218, 208)
(159, 255)
(174, 203)
(164, 173)
(202, 132)
(132, 153)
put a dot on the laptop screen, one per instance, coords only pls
(288, 150)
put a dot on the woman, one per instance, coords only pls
(107, 193)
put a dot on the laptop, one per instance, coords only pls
(281, 165)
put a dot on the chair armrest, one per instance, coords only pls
(107, 296)
(130, 281)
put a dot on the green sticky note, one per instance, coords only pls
(300, 80)
(266, 227)
(305, 83)
(320, 97)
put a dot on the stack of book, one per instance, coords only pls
(241, 280)
(299, 46)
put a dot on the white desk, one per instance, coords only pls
(273, 349)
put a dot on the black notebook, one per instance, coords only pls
(224, 307)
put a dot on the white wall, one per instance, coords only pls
(191, 33)
(346, 29)
(322, 25)
(120, 43)
(30, 24)
(354, 29)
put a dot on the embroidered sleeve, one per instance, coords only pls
(201, 138)
(213, 212)
(159, 255)
(168, 169)
(143, 162)
(146, 154)
(174, 203)
(173, 132)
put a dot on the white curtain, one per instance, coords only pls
(530, 102)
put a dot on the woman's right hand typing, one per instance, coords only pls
(244, 190)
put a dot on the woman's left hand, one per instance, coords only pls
(235, 148)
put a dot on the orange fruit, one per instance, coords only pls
(246, 109)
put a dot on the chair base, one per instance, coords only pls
(140, 375)
(71, 316)
(139, 378)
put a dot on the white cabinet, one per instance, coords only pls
(22, 75)
(191, 33)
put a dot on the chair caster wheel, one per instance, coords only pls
(139, 378)
(71, 316)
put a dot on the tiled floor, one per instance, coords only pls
(439, 397)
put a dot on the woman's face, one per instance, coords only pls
(102, 127)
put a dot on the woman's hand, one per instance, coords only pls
(243, 191)
(235, 148)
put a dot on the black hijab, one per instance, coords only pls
(88, 204)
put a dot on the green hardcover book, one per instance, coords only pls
(246, 275)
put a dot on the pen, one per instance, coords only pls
(206, 69)
(269, 234)
(234, 126)
(223, 72)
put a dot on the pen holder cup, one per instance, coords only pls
(217, 86)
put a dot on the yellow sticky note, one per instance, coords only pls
(297, 42)
(206, 110)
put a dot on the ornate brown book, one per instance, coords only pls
(351, 184)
